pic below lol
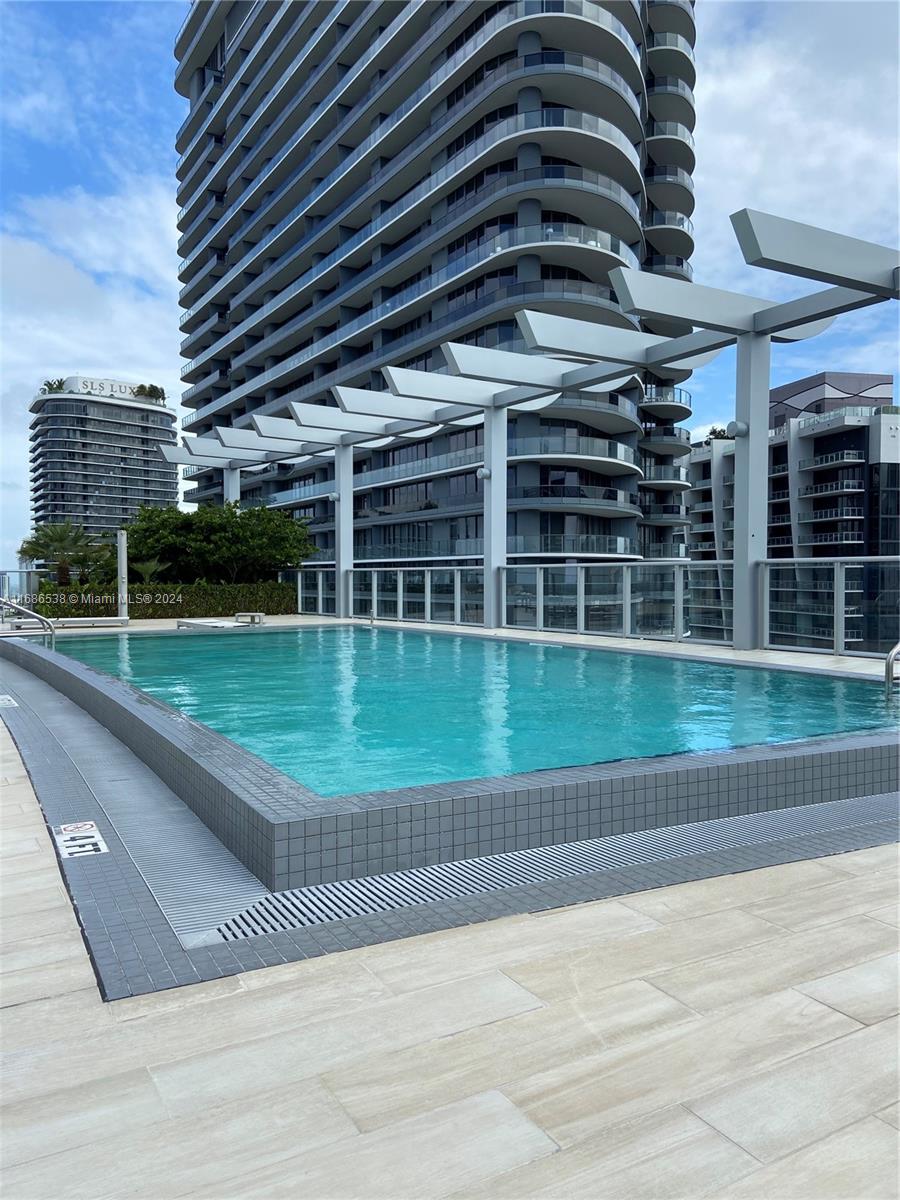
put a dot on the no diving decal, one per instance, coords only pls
(78, 839)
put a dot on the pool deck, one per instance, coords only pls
(730, 1037)
(866, 668)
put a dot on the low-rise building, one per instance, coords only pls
(833, 492)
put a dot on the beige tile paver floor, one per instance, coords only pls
(734, 1037)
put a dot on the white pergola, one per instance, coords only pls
(567, 354)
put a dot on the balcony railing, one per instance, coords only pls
(827, 460)
(837, 605)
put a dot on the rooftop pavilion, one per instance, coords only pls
(485, 385)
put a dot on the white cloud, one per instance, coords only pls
(95, 294)
(797, 112)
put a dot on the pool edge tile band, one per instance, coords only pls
(327, 902)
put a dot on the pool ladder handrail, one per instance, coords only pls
(47, 629)
(892, 656)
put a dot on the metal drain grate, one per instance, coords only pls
(320, 903)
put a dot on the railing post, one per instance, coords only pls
(320, 590)
(539, 598)
(679, 602)
(765, 606)
(626, 600)
(579, 599)
(427, 594)
(840, 605)
(457, 595)
(374, 613)
(299, 592)
(400, 613)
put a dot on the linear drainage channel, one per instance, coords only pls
(321, 903)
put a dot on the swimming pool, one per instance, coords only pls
(345, 709)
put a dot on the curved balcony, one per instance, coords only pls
(670, 142)
(565, 297)
(601, 501)
(617, 212)
(611, 457)
(581, 545)
(672, 16)
(562, 124)
(664, 514)
(669, 264)
(665, 439)
(670, 98)
(272, 208)
(667, 403)
(611, 252)
(671, 233)
(670, 188)
(664, 550)
(598, 501)
(671, 54)
(610, 413)
(578, 545)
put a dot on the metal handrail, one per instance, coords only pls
(44, 622)
(892, 656)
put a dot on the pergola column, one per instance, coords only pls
(751, 484)
(231, 484)
(343, 528)
(494, 474)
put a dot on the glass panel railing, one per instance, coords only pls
(801, 606)
(589, 447)
(387, 585)
(603, 600)
(361, 593)
(708, 603)
(871, 606)
(443, 596)
(570, 543)
(521, 597)
(414, 596)
(471, 601)
(560, 598)
(653, 601)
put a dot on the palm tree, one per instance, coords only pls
(53, 385)
(62, 545)
(149, 570)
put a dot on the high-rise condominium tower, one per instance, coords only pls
(95, 453)
(360, 182)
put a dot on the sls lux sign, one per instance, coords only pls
(100, 387)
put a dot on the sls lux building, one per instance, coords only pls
(95, 453)
(361, 182)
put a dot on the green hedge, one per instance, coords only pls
(173, 600)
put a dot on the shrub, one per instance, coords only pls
(173, 600)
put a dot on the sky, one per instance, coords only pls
(797, 112)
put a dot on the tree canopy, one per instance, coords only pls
(225, 544)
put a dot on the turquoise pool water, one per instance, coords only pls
(346, 709)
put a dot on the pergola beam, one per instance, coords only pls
(711, 308)
(798, 249)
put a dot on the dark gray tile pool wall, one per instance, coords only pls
(234, 793)
(289, 836)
